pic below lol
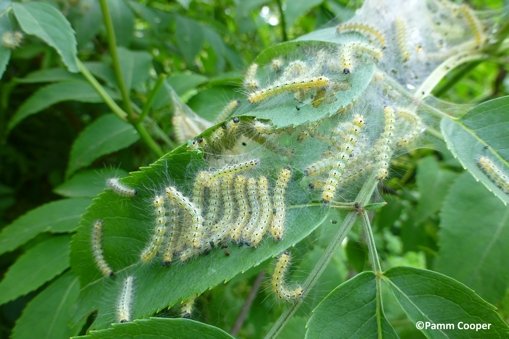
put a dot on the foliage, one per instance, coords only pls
(91, 90)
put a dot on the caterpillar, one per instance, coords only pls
(222, 228)
(234, 169)
(97, 250)
(474, 24)
(227, 110)
(157, 239)
(345, 60)
(383, 147)
(193, 211)
(290, 86)
(363, 29)
(263, 223)
(401, 39)
(173, 235)
(252, 195)
(347, 141)
(250, 81)
(495, 173)
(125, 300)
(276, 64)
(278, 280)
(415, 125)
(119, 188)
(187, 308)
(278, 219)
(294, 70)
(214, 201)
(361, 48)
(243, 205)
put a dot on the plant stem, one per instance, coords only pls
(283, 20)
(377, 268)
(102, 93)
(147, 138)
(247, 304)
(112, 44)
(362, 199)
(151, 97)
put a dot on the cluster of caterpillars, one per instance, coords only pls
(227, 205)
(350, 155)
(304, 79)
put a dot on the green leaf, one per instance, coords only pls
(437, 299)
(284, 110)
(48, 314)
(87, 184)
(298, 8)
(475, 226)
(161, 328)
(56, 217)
(123, 21)
(77, 90)
(36, 266)
(135, 66)
(5, 55)
(183, 82)
(189, 35)
(48, 75)
(482, 132)
(433, 183)
(105, 135)
(128, 223)
(48, 24)
(350, 311)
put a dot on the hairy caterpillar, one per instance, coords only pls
(415, 125)
(362, 48)
(193, 211)
(187, 308)
(227, 110)
(278, 280)
(401, 39)
(214, 201)
(243, 205)
(363, 29)
(173, 235)
(119, 188)
(252, 194)
(157, 239)
(263, 223)
(383, 147)
(276, 64)
(250, 81)
(97, 249)
(125, 300)
(294, 70)
(495, 173)
(347, 142)
(222, 228)
(234, 169)
(291, 86)
(278, 219)
(474, 24)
